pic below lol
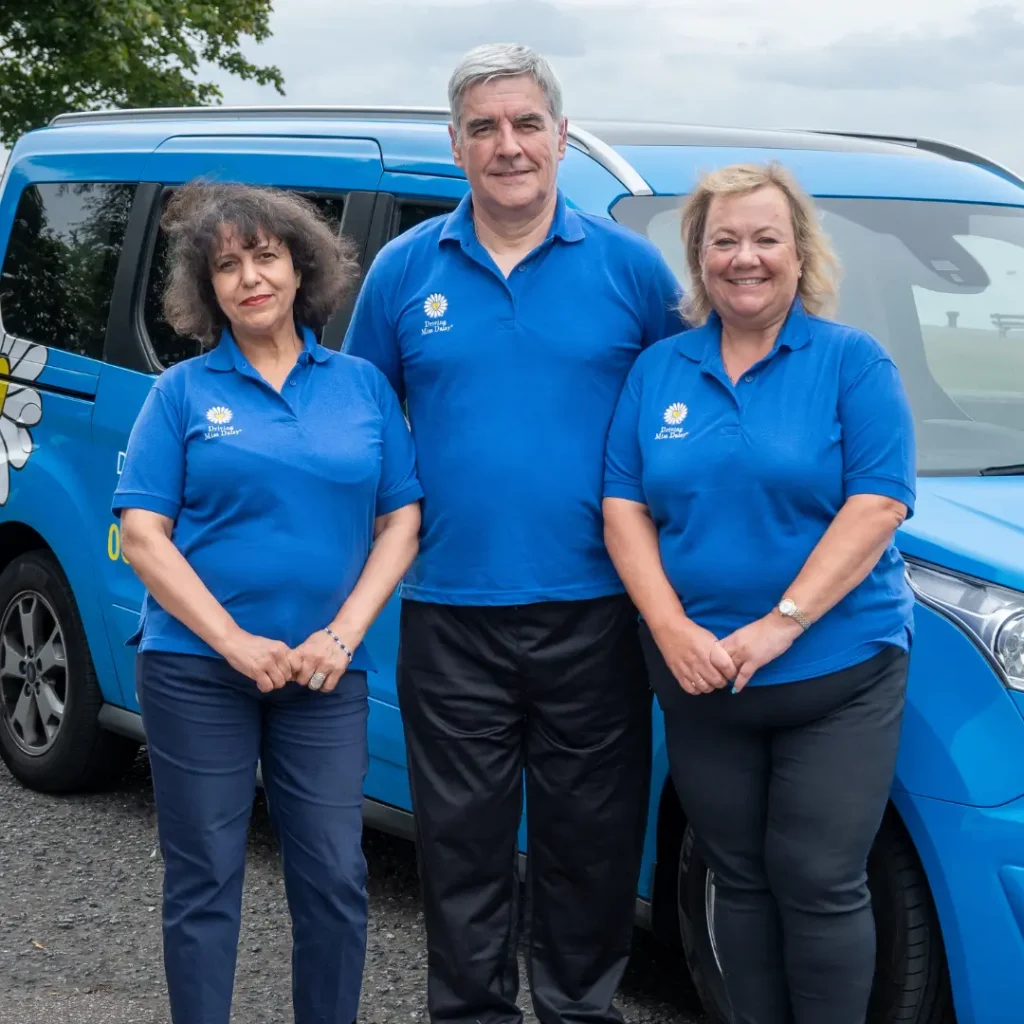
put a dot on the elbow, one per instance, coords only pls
(132, 540)
(884, 513)
(893, 513)
(140, 531)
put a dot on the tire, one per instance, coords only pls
(50, 736)
(911, 983)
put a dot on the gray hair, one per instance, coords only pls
(502, 60)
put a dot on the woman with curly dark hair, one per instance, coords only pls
(270, 505)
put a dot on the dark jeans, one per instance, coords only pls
(206, 727)
(785, 787)
(558, 690)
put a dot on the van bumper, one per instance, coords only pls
(974, 859)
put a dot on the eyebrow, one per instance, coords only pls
(268, 244)
(489, 122)
(756, 231)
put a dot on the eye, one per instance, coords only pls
(723, 243)
(223, 266)
(266, 256)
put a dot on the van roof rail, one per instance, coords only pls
(233, 113)
(610, 159)
(946, 149)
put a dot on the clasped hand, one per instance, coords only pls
(271, 664)
(702, 663)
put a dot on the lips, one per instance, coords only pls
(256, 300)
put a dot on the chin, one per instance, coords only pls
(516, 196)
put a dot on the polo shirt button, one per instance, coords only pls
(521, 267)
(293, 383)
(749, 378)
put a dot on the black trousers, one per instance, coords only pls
(557, 691)
(785, 787)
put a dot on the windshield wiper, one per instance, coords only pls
(1013, 470)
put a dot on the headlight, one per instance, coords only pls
(992, 616)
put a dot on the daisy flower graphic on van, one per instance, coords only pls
(20, 406)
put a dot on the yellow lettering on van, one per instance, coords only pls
(114, 551)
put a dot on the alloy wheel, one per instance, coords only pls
(33, 673)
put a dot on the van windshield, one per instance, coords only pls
(941, 286)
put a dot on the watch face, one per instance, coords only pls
(787, 607)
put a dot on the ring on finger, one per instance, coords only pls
(316, 680)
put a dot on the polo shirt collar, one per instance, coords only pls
(228, 356)
(566, 223)
(704, 344)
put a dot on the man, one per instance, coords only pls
(509, 327)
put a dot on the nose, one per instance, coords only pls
(251, 275)
(508, 144)
(746, 254)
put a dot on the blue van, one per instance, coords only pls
(932, 242)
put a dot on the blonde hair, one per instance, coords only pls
(818, 285)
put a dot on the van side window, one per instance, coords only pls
(409, 213)
(58, 275)
(169, 347)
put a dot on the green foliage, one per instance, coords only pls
(59, 55)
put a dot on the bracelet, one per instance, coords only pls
(337, 639)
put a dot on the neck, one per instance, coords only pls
(750, 338)
(743, 345)
(513, 231)
(277, 344)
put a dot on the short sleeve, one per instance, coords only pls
(399, 485)
(661, 308)
(371, 332)
(878, 433)
(153, 475)
(623, 460)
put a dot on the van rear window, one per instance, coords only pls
(58, 274)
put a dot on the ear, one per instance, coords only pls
(298, 279)
(563, 136)
(456, 147)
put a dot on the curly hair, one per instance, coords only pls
(194, 218)
(819, 282)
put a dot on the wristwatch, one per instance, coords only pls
(788, 607)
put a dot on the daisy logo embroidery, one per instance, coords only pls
(21, 407)
(219, 415)
(435, 305)
(675, 414)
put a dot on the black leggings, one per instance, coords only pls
(785, 786)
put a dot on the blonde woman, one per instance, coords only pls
(757, 469)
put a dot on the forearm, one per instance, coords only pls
(393, 550)
(632, 542)
(174, 585)
(847, 552)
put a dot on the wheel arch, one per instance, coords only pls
(18, 538)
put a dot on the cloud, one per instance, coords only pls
(988, 51)
(797, 63)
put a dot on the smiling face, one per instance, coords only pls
(750, 264)
(510, 145)
(255, 287)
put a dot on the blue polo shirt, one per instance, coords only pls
(273, 494)
(510, 387)
(742, 481)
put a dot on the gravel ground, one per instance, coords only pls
(80, 922)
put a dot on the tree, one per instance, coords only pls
(58, 55)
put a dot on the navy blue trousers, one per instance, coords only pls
(207, 726)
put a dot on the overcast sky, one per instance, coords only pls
(948, 69)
